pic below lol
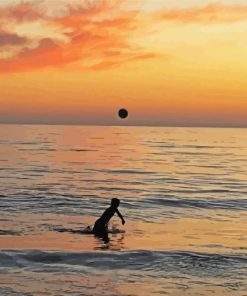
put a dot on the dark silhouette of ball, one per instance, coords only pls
(123, 113)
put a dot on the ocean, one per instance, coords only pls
(183, 194)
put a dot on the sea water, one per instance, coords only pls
(183, 194)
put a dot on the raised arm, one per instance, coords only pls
(120, 216)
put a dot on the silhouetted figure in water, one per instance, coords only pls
(101, 225)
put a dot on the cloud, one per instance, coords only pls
(21, 12)
(47, 54)
(91, 35)
(113, 64)
(11, 39)
(209, 14)
(95, 36)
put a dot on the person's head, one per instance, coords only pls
(115, 202)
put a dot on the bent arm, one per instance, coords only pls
(120, 216)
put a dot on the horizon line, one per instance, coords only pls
(125, 125)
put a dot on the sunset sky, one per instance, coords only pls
(168, 62)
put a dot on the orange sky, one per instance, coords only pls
(168, 62)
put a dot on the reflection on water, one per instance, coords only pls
(183, 194)
(114, 242)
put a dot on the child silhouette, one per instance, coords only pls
(101, 224)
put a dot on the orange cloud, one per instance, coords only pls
(212, 13)
(11, 39)
(93, 36)
(114, 63)
(97, 38)
(22, 12)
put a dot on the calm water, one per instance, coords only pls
(183, 194)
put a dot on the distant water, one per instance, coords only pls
(183, 193)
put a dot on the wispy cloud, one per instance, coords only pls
(90, 34)
(95, 36)
(209, 14)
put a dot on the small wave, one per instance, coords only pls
(200, 203)
(45, 201)
(8, 232)
(38, 149)
(63, 204)
(21, 142)
(177, 145)
(82, 150)
(183, 262)
(130, 172)
(112, 189)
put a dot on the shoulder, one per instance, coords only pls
(108, 210)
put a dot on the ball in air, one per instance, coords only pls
(123, 113)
